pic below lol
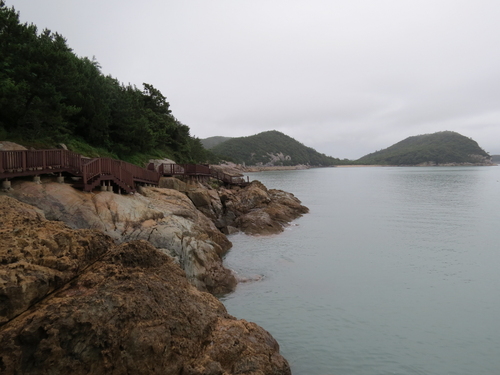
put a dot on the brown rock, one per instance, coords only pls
(256, 210)
(38, 256)
(199, 197)
(133, 312)
(172, 183)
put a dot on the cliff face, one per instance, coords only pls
(78, 304)
(164, 217)
(184, 221)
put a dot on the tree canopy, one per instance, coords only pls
(47, 93)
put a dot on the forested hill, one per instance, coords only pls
(271, 148)
(211, 142)
(49, 95)
(438, 148)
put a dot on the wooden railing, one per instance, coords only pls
(141, 174)
(196, 169)
(94, 171)
(201, 170)
(227, 178)
(24, 162)
(171, 169)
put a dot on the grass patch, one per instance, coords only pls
(81, 147)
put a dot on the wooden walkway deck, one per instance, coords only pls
(91, 173)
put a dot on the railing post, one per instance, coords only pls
(1, 162)
(23, 156)
(84, 174)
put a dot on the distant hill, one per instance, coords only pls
(495, 158)
(211, 142)
(271, 148)
(437, 148)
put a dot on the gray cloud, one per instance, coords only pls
(344, 77)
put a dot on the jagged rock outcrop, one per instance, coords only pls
(253, 209)
(125, 309)
(185, 224)
(165, 217)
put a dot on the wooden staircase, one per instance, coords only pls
(115, 175)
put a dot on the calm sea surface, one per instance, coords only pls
(393, 271)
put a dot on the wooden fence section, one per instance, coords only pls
(29, 163)
(99, 171)
(202, 171)
(228, 179)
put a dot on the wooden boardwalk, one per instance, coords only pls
(92, 173)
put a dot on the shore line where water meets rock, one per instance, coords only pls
(80, 272)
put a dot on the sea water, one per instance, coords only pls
(393, 271)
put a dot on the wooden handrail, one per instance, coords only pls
(92, 171)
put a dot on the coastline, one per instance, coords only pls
(150, 241)
(302, 167)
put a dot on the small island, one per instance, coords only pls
(441, 148)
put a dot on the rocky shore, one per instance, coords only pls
(107, 283)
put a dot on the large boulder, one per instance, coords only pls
(165, 217)
(172, 183)
(129, 310)
(254, 209)
(10, 146)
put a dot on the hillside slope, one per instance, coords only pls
(211, 142)
(437, 148)
(271, 148)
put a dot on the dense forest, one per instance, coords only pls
(48, 95)
(271, 148)
(439, 148)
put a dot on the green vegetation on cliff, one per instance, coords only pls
(439, 148)
(49, 95)
(271, 148)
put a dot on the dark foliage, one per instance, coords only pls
(49, 94)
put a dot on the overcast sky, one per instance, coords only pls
(346, 77)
